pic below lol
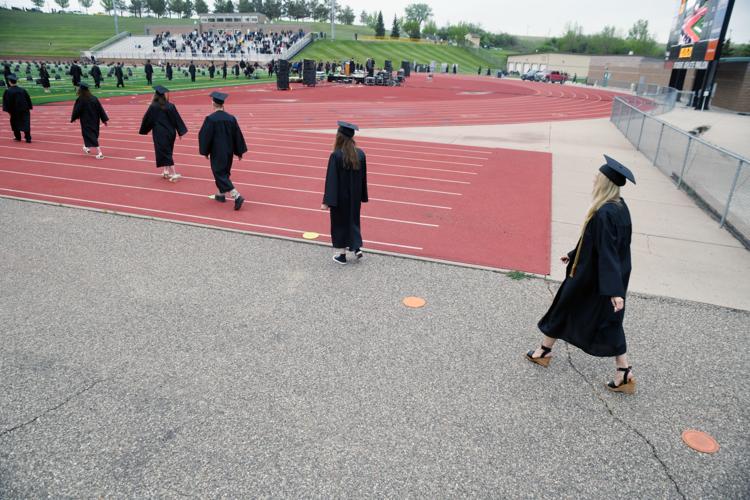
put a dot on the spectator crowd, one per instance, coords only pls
(219, 43)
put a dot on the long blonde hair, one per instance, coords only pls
(348, 148)
(605, 191)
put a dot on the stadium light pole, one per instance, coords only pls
(114, 9)
(333, 14)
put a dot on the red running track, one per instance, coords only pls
(483, 206)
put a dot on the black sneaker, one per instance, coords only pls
(238, 202)
(341, 259)
(17, 139)
(218, 197)
(358, 253)
(28, 140)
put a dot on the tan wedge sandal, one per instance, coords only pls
(626, 386)
(542, 360)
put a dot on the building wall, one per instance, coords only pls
(573, 64)
(733, 86)
(626, 70)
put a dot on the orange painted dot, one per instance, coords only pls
(414, 302)
(310, 235)
(700, 441)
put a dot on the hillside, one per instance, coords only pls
(63, 35)
(468, 61)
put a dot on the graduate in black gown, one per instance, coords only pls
(119, 75)
(17, 103)
(589, 307)
(345, 191)
(169, 72)
(6, 72)
(89, 111)
(96, 74)
(211, 70)
(224, 70)
(191, 70)
(236, 70)
(44, 78)
(75, 73)
(220, 139)
(149, 71)
(164, 123)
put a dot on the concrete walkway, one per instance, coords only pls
(678, 250)
(150, 359)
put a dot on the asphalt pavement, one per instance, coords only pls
(143, 359)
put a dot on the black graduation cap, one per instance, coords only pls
(161, 90)
(218, 97)
(12, 77)
(616, 171)
(347, 128)
(83, 85)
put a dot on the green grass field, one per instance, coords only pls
(62, 90)
(468, 61)
(63, 35)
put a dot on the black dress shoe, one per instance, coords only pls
(340, 259)
(238, 202)
(218, 197)
(17, 139)
(28, 140)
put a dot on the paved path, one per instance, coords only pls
(142, 358)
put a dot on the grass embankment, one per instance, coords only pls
(63, 90)
(423, 53)
(63, 35)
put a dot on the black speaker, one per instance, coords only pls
(406, 66)
(282, 75)
(388, 66)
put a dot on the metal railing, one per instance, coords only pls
(718, 179)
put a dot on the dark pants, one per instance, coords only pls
(120, 83)
(221, 177)
(21, 123)
(192, 77)
(97, 83)
(148, 79)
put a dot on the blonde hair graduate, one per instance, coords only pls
(589, 306)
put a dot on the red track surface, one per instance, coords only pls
(466, 204)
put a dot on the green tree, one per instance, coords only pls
(244, 6)
(86, 4)
(176, 6)
(107, 5)
(419, 12)
(363, 18)
(430, 29)
(136, 8)
(640, 41)
(64, 4)
(187, 8)
(121, 5)
(395, 30)
(380, 27)
(411, 27)
(272, 8)
(201, 7)
(346, 16)
(39, 3)
(158, 7)
(321, 12)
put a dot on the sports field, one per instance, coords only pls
(425, 197)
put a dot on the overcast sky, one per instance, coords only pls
(539, 17)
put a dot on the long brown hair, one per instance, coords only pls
(160, 100)
(349, 148)
(85, 94)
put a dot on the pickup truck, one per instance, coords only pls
(556, 77)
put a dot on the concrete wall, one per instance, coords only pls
(733, 86)
(629, 69)
(573, 64)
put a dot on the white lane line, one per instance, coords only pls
(179, 214)
(184, 193)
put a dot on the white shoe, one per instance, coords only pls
(100, 156)
(86, 150)
(165, 175)
(175, 178)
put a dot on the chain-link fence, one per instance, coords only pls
(717, 179)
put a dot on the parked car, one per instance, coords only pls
(556, 77)
(529, 75)
(540, 76)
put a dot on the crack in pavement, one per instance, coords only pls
(654, 453)
(66, 401)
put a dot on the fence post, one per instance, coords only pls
(627, 127)
(640, 134)
(658, 144)
(684, 162)
(731, 193)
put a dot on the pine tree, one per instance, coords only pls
(395, 30)
(380, 27)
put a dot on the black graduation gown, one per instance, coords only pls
(149, 71)
(164, 125)
(582, 313)
(191, 70)
(75, 73)
(345, 191)
(220, 137)
(17, 103)
(211, 71)
(169, 72)
(224, 72)
(119, 76)
(89, 112)
(44, 77)
(96, 74)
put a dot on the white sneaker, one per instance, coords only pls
(86, 150)
(175, 178)
(165, 175)
(100, 156)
